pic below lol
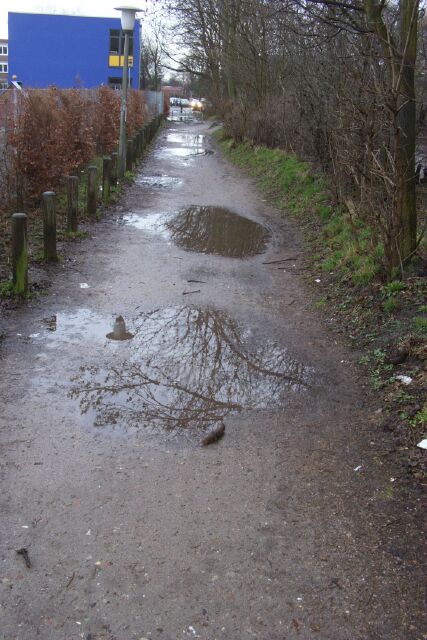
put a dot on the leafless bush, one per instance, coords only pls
(49, 133)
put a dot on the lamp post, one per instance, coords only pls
(128, 21)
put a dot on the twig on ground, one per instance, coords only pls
(281, 260)
(24, 553)
(70, 580)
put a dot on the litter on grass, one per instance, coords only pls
(422, 444)
(404, 379)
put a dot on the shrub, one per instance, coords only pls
(107, 120)
(55, 132)
(135, 113)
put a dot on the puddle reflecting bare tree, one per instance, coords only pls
(187, 368)
(217, 230)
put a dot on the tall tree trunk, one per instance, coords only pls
(400, 58)
(406, 131)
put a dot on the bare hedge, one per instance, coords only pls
(49, 133)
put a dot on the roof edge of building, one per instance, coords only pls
(62, 15)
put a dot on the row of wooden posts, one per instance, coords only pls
(134, 150)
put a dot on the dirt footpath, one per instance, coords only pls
(295, 524)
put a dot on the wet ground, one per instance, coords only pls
(183, 312)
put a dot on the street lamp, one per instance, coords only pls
(128, 21)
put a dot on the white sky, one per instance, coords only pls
(102, 8)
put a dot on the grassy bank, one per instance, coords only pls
(345, 243)
(385, 322)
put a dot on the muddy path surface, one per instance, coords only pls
(287, 527)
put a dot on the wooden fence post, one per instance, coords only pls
(113, 172)
(106, 176)
(129, 155)
(92, 190)
(19, 254)
(19, 191)
(72, 202)
(49, 226)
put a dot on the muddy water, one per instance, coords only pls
(186, 115)
(180, 152)
(158, 182)
(217, 230)
(186, 367)
(152, 223)
(186, 139)
(212, 230)
(183, 146)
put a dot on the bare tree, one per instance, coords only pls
(152, 55)
(333, 81)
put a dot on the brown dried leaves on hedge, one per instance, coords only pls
(57, 132)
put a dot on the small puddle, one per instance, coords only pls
(70, 327)
(151, 223)
(182, 152)
(159, 182)
(186, 115)
(186, 139)
(186, 368)
(217, 230)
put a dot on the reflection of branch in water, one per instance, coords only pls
(188, 367)
(217, 230)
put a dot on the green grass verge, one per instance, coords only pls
(379, 318)
(6, 289)
(339, 242)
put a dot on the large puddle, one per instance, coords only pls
(217, 230)
(213, 230)
(185, 368)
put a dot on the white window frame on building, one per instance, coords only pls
(3, 67)
(4, 50)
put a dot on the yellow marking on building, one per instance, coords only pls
(117, 61)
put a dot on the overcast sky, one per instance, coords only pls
(103, 8)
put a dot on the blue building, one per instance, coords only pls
(70, 51)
